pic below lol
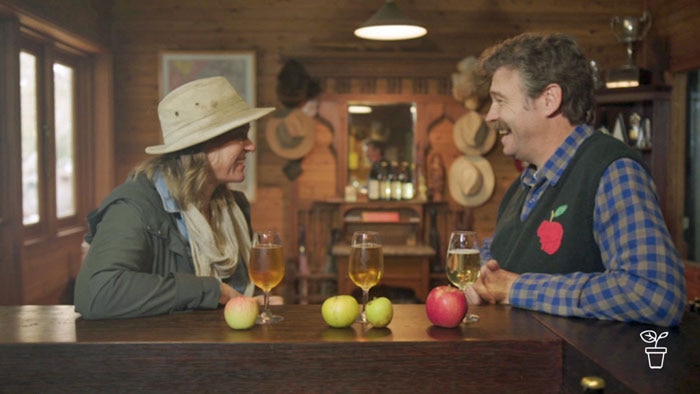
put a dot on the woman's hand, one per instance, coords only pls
(227, 292)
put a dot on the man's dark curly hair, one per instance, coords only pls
(543, 59)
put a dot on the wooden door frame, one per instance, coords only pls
(10, 166)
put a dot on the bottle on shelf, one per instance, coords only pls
(397, 181)
(373, 182)
(385, 181)
(407, 192)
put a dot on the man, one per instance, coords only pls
(374, 151)
(580, 232)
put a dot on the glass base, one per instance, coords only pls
(268, 318)
(471, 318)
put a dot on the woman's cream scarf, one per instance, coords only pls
(209, 260)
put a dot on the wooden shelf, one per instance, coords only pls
(631, 95)
(652, 102)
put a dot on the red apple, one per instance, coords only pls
(240, 313)
(446, 306)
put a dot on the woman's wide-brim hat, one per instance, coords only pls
(199, 111)
(471, 180)
(290, 133)
(472, 135)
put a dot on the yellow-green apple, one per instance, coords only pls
(379, 312)
(240, 313)
(446, 306)
(340, 311)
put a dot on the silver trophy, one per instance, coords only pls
(629, 30)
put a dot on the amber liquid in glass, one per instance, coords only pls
(266, 266)
(366, 265)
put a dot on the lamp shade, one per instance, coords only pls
(390, 24)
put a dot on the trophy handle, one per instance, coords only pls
(615, 21)
(646, 19)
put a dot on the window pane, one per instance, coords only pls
(65, 138)
(30, 132)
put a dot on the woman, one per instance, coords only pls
(174, 236)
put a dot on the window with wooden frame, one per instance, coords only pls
(55, 139)
(56, 120)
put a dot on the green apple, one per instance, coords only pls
(379, 312)
(340, 311)
(240, 313)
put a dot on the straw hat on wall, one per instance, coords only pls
(290, 133)
(472, 135)
(471, 180)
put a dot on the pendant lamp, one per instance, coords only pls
(390, 24)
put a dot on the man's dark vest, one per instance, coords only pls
(557, 236)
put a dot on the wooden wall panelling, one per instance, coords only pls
(692, 277)
(675, 156)
(678, 26)
(49, 269)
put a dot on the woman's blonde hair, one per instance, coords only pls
(186, 174)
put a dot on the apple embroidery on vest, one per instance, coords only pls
(551, 232)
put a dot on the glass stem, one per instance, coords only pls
(365, 295)
(266, 307)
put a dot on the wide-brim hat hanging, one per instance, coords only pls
(472, 135)
(290, 133)
(199, 111)
(471, 180)
(294, 84)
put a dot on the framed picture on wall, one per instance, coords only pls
(179, 67)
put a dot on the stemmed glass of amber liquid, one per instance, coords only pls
(366, 264)
(266, 269)
(463, 263)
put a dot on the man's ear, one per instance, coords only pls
(551, 98)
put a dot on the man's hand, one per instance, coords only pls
(227, 292)
(494, 283)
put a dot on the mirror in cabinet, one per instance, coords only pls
(378, 132)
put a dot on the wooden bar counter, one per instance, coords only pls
(50, 348)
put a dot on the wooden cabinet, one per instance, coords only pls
(650, 102)
(407, 257)
(398, 222)
(410, 252)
